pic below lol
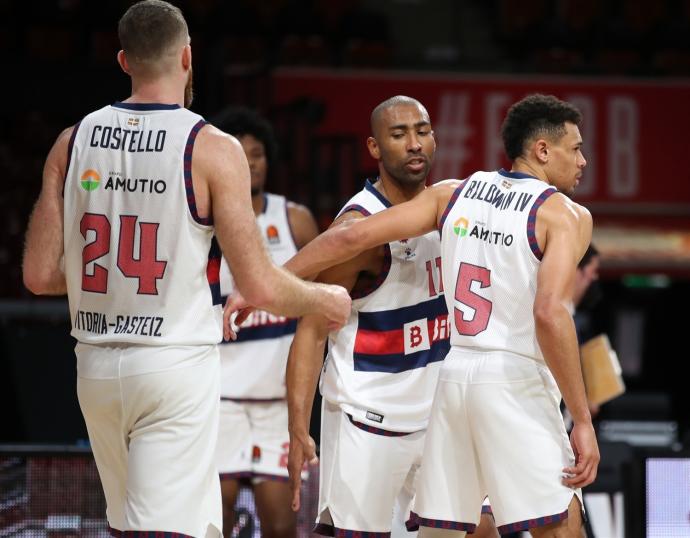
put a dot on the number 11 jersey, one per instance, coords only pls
(141, 265)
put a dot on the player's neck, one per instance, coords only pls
(396, 192)
(259, 202)
(525, 166)
(157, 91)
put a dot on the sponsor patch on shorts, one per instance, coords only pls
(375, 417)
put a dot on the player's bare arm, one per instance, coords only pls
(340, 243)
(564, 230)
(302, 224)
(44, 246)
(306, 357)
(221, 167)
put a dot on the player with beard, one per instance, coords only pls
(253, 431)
(124, 224)
(382, 368)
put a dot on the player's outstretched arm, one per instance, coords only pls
(44, 247)
(220, 160)
(567, 230)
(344, 241)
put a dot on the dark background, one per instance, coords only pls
(59, 64)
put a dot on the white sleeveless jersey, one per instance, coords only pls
(490, 262)
(253, 366)
(382, 366)
(141, 265)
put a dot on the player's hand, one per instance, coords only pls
(302, 450)
(336, 306)
(584, 443)
(234, 303)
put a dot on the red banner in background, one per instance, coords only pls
(635, 132)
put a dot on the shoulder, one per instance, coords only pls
(217, 148)
(297, 211)
(559, 210)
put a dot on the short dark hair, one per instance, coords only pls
(536, 115)
(149, 29)
(590, 253)
(239, 121)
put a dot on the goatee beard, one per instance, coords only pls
(189, 91)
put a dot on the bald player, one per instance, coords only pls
(511, 242)
(382, 368)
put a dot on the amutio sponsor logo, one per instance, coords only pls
(139, 184)
(132, 141)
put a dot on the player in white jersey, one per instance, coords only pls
(253, 430)
(510, 246)
(381, 370)
(130, 200)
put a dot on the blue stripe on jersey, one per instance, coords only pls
(395, 363)
(450, 205)
(248, 334)
(532, 222)
(145, 106)
(390, 320)
(213, 271)
(370, 187)
(187, 167)
(70, 146)
(515, 175)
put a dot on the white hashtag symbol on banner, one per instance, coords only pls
(452, 131)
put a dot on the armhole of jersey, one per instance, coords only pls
(532, 222)
(213, 271)
(189, 186)
(386, 262)
(450, 205)
(289, 224)
(70, 146)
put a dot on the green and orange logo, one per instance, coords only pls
(460, 227)
(90, 180)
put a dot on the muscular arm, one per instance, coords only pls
(304, 363)
(566, 229)
(341, 243)
(44, 247)
(220, 162)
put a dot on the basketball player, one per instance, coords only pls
(510, 247)
(253, 432)
(382, 367)
(130, 200)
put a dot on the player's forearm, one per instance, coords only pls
(558, 342)
(41, 265)
(336, 245)
(302, 374)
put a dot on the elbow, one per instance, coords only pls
(35, 282)
(546, 311)
(258, 293)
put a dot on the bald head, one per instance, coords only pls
(399, 100)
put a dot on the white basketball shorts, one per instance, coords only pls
(495, 429)
(253, 440)
(153, 436)
(363, 471)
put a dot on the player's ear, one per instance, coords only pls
(122, 60)
(373, 148)
(541, 151)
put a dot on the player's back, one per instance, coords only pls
(490, 262)
(141, 265)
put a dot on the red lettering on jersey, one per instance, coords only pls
(415, 336)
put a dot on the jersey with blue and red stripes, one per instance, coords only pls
(490, 262)
(141, 264)
(253, 366)
(382, 366)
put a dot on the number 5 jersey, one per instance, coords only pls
(141, 265)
